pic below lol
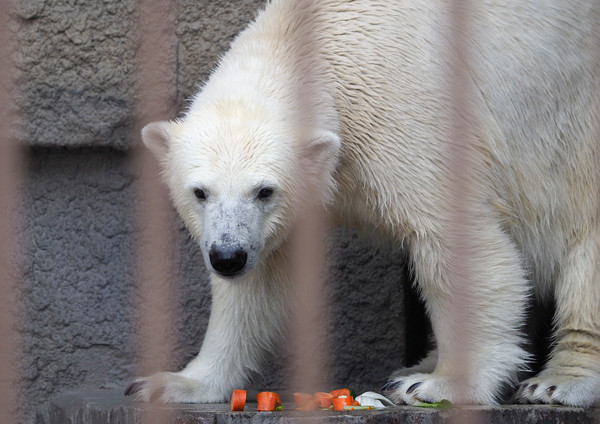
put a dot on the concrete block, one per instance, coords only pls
(111, 407)
(77, 295)
(77, 72)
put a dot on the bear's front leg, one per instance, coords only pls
(246, 321)
(476, 301)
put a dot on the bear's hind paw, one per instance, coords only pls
(551, 388)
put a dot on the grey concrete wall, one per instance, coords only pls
(78, 295)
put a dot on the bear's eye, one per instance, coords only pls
(200, 194)
(264, 193)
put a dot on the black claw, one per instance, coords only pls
(413, 387)
(134, 387)
(390, 386)
(550, 389)
(532, 388)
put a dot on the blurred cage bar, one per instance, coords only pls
(12, 166)
(463, 161)
(309, 266)
(157, 100)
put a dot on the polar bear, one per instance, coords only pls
(348, 103)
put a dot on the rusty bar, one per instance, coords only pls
(156, 99)
(310, 344)
(12, 161)
(597, 155)
(462, 167)
(309, 265)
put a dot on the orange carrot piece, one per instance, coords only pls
(302, 399)
(324, 399)
(268, 401)
(312, 405)
(341, 392)
(338, 404)
(238, 400)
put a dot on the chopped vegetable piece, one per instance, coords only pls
(312, 405)
(341, 392)
(444, 404)
(339, 403)
(324, 399)
(302, 399)
(238, 400)
(268, 401)
(357, 408)
(374, 399)
(266, 404)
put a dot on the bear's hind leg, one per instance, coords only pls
(572, 374)
(476, 324)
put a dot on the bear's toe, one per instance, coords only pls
(555, 388)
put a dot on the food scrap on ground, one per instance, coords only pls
(444, 404)
(324, 399)
(338, 400)
(374, 399)
(268, 401)
(238, 400)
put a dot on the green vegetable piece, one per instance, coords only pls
(279, 408)
(443, 405)
(357, 408)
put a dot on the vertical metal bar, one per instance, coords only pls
(596, 135)
(308, 250)
(12, 161)
(462, 163)
(310, 344)
(157, 94)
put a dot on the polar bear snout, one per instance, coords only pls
(227, 261)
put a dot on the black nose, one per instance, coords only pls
(227, 262)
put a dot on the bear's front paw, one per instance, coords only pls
(550, 387)
(169, 387)
(432, 388)
(418, 388)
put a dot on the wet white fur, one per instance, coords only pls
(348, 102)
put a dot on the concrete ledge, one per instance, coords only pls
(111, 407)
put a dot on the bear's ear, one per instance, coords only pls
(323, 150)
(156, 137)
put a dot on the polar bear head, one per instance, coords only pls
(238, 176)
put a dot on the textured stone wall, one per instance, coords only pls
(78, 61)
(78, 297)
